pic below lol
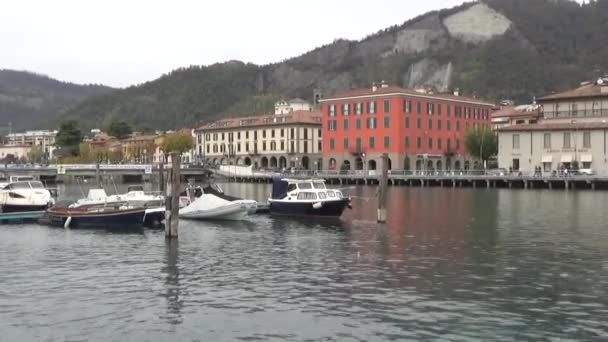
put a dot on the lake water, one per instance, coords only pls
(451, 264)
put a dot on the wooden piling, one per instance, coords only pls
(161, 176)
(383, 187)
(172, 199)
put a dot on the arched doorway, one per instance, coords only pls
(247, 161)
(282, 162)
(320, 164)
(332, 164)
(418, 164)
(264, 162)
(466, 165)
(305, 163)
(239, 161)
(438, 165)
(371, 164)
(223, 161)
(457, 166)
(273, 162)
(345, 165)
(429, 165)
(215, 162)
(359, 163)
(390, 163)
(406, 163)
(448, 164)
(475, 165)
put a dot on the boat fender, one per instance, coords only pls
(350, 206)
(317, 205)
(66, 225)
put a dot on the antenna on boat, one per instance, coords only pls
(115, 188)
(80, 187)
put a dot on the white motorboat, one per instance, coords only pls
(306, 197)
(208, 205)
(24, 196)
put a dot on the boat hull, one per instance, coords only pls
(228, 212)
(114, 219)
(13, 208)
(333, 208)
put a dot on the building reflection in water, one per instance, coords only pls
(172, 283)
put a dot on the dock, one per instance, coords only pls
(473, 179)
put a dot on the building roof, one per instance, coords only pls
(140, 138)
(561, 126)
(393, 90)
(295, 117)
(517, 111)
(598, 88)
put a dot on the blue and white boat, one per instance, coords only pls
(306, 197)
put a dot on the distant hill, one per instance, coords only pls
(496, 49)
(29, 100)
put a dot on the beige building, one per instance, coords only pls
(571, 133)
(14, 152)
(270, 141)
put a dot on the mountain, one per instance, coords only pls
(495, 49)
(29, 100)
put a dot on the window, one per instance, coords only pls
(332, 144)
(449, 125)
(346, 124)
(407, 122)
(372, 142)
(282, 145)
(430, 124)
(458, 125)
(418, 107)
(358, 108)
(449, 143)
(587, 139)
(430, 143)
(331, 125)
(264, 146)
(467, 112)
(566, 140)
(292, 131)
(282, 133)
(387, 106)
(332, 110)
(419, 123)
(346, 143)
(358, 144)
(345, 109)
(371, 123)
(407, 142)
(263, 134)
(547, 140)
(208, 148)
(387, 122)
(319, 133)
(322, 195)
(305, 195)
(387, 142)
(371, 107)
(516, 141)
(247, 135)
(466, 125)
(439, 143)
(238, 147)
(358, 123)
(429, 108)
(419, 142)
(439, 125)
(457, 144)
(448, 110)
(223, 136)
(439, 109)
(272, 133)
(407, 106)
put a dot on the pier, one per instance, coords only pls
(453, 179)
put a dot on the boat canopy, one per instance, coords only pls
(279, 188)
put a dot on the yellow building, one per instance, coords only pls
(139, 149)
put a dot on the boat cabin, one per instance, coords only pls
(303, 190)
(22, 185)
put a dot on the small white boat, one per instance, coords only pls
(135, 197)
(201, 205)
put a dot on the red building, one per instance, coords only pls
(417, 128)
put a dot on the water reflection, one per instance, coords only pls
(173, 291)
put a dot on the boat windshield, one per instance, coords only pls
(37, 185)
(307, 196)
(18, 185)
(319, 185)
(291, 187)
(304, 186)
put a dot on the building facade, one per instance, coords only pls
(420, 130)
(571, 133)
(43, 139)
(14, 152)
(290, 106)
(516, 115)
(277, 141)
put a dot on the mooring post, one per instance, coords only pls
(383, 187)
(161, 176)
(172, 199)
(97, 175)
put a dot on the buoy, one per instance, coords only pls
(66, 225)
(317, 205)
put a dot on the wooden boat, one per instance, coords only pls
(108, 217)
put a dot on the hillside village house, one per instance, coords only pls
(289, 106)
(419, 129)
(274, 141)
(571, 133)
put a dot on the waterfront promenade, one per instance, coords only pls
(475, 179)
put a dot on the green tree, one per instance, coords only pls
(120, 129)
(36, 154)
(177, 142)
(69, 136)
(481, 143)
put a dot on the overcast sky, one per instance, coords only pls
(125, 42)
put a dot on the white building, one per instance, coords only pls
(45, 139)
(572, 133)
(293, 105)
